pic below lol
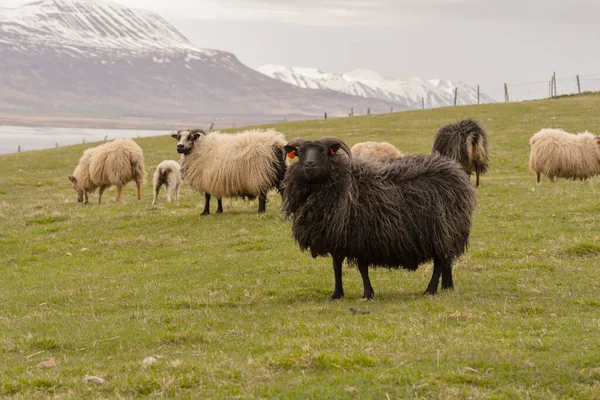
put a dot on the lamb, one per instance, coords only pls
(399, 213)
(466, 143)
(245, 164)
(383, 151)
(167, 173)
(115, 163)
(556, 153)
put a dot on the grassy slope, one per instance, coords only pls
(232, 308)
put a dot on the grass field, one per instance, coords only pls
(229, 307)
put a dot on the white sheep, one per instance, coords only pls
(245, 164)
(559, 154)
(167, 173)
(376, 150)
(115, 163)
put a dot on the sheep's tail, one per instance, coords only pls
(139, 171)
(164, 176)
(479, 153)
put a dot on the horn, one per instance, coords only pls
(297, 142)
(331, 140)
(200, 131)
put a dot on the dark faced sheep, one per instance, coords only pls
(466, 143)
(114, 163)
(401, 213)
(245, 164)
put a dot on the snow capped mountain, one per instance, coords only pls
(78, 25)
(370, 84)
(84, 57)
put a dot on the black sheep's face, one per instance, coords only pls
(313, 158)
(186, 139)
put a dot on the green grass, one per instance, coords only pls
(231, 308)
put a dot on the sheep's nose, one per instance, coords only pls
(310, 165)
(179, 146)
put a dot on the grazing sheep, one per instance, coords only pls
(115, 163)
(558, 154)
(245, 164)
(383, 151)
(399, 213)
(167, 173)
(466, 143)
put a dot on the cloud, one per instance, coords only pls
(380, 12)
(375, 13)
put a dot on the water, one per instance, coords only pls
(30, 138)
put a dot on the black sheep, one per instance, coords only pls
(401, 213)
(466, 143)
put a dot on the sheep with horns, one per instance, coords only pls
(401, 213)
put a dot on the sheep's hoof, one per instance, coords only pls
(204, 213)
(429, 292)
(336, 296)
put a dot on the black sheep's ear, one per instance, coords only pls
(334, 148)
(290, 151)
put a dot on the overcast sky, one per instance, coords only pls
(485, 42)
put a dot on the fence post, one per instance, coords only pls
(554, 78)
(391, 109)
(423, 102)
(477, 94)
(212, 124)
(57, 145)
(83, 141)
(550, 88)
(368, 111)
(105, 137)
(578, 85)
(455, 94)
(19, 149)
(506, 99)
(325, 115)
(352, 111)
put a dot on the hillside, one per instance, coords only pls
(87, 59)
(228, 306)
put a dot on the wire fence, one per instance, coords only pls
(553, 87)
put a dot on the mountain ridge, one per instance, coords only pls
(370, 84)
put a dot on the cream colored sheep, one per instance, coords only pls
(375, 150)
(225, 165)
(559, 154)
(115, 163)
(167, 173)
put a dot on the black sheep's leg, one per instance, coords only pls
(368, 292)
(447, 282)
(262, 202)
(219, 206)
(438, 266)
(338, 292)
(206, 204)
(477, 178)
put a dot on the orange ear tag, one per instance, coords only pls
(292, 154)
(332, 152)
